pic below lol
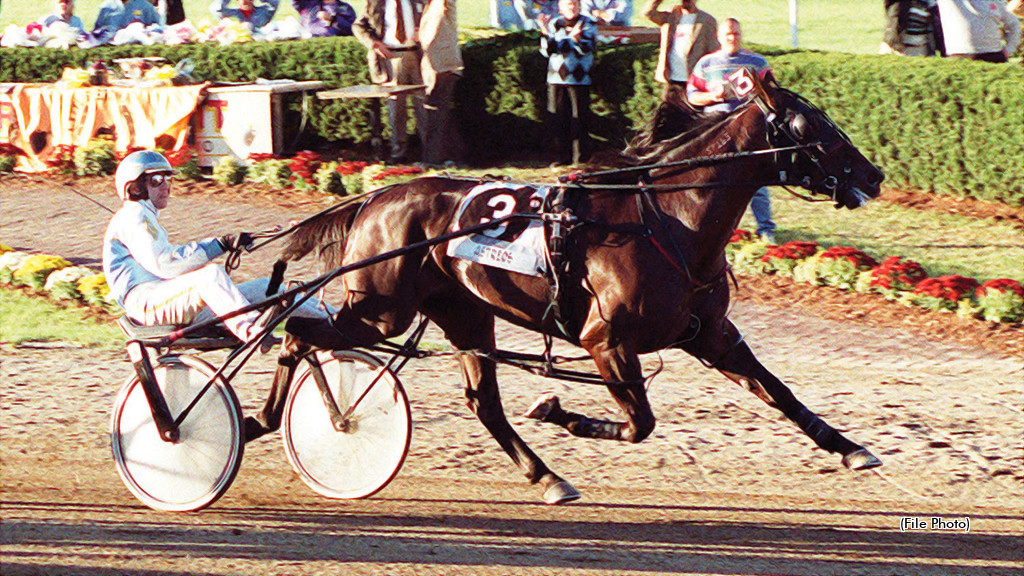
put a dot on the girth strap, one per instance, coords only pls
(559, 222)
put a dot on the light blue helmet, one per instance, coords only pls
(136, 164)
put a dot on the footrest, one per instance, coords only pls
(212, 338)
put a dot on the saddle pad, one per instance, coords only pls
(516, 245)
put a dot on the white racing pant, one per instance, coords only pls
(201, 295)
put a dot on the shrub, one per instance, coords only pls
(9, 262)
(61, 159)
(34, 270)
(352, 175)
(329, 180)
(747, 260)
(942, 293)
(838, 266)
(96, 293)
(1001, 300)
(7, 163)
(63, 284)
(783, 258)
(304, 166)
(379, 175)
(892, 277)
(272, 172)
(229, 171)
(97, 158)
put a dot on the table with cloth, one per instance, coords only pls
(37, 118)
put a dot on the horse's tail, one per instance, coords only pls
(325, 234)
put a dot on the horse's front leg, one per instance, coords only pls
(621, 369)
(470, 328)
(733, 358)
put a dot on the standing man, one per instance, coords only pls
(708, 88)
(569, 42)
(441, 70)
(979, 30)
(687, 34)
(390, 31)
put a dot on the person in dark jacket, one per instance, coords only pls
(325, 17)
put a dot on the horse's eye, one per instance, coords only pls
(802, 128)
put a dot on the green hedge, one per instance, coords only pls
(949, 126)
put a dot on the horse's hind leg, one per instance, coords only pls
(618, 366)
(470, 328)
(738, 363)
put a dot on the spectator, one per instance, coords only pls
(64, 11)
(115, 15)
(569, 42)
(979, 29)
(441, 70)
(388, 29)
(325, 17)
(708, 89)
(171, 11)
(611, 12)
(248, 12)
(912, 28)
(687, 34)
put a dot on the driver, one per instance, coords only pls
(157, 282)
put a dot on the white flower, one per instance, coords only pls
(71, 275)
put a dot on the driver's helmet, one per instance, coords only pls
(136, 164)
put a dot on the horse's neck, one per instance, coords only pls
(713, 213)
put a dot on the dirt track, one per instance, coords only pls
(722, 487)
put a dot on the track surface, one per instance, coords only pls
(724, 486)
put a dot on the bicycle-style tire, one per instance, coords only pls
(357, 462)
(197, 469)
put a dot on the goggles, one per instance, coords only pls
(158, 180)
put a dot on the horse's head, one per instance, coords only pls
(824, 160)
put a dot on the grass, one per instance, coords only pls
(833, 25)
(31, 319)
(942, 243)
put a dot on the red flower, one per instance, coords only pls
(856, 257)
(397, 171)
(741, 235)
(1001, 285)
(260, 157)
(952, 287)
(897, 274)
(122, 155)
(61, 157)
(790, 251)
(353, 167)
(178, 157)
(10, 150)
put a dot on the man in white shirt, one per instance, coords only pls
(687, 34)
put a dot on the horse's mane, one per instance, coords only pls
(325, 234)
(673, 126)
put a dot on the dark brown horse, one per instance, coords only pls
(646, 268)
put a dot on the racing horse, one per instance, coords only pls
(644, 266)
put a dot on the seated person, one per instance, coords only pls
(325, 17)
(64, 11)
(118, 14)
(159, 283)
(247, 12)
(608, 12)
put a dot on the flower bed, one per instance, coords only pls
(54, 277)
(905, 281)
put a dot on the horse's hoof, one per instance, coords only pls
(861, 460)
(542, 408)
(560, 492)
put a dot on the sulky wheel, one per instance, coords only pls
(357, 456)
(196, 469)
